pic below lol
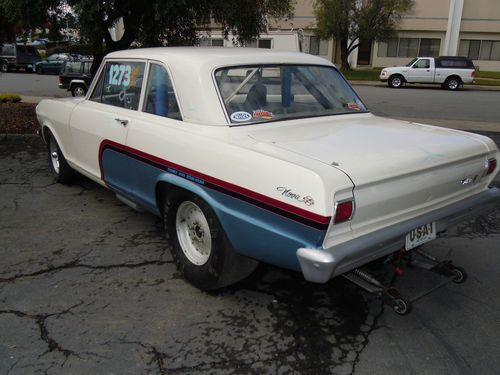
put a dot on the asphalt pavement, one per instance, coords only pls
(87, 287)
(32, 85)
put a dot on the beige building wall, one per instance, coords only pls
(452, 22)
(429, 19)
(479, 21)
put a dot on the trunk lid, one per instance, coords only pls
(398, 168)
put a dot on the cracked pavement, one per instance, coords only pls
(87, 287)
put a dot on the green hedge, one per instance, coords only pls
(9, 98)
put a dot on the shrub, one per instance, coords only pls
(9, 98)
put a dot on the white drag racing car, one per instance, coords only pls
(252, 155)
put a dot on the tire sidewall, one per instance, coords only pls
(208, 275)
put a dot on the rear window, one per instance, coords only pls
(86, 67)
(72, 67)
(7, 50)
(279, 92)
(455, 63)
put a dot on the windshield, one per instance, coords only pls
(412, 61)
(278, 92)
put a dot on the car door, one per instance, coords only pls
(56, 64)
(421, 71)
(49, 65)
(155, 139)
(100, 123)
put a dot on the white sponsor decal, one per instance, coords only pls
(241, 116)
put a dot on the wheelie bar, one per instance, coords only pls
(391, 295)
(445, 268)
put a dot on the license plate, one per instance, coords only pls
(420, 235)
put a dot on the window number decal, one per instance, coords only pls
(127, 71)
(119, 75)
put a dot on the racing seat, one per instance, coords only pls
(256, 97)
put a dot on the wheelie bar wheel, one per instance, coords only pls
(459, 275)
(400, 305)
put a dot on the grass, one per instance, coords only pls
(363, 74)
(9, 98)
(487, 82)
(485, 74)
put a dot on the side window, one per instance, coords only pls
(422, 64)
(160, 97)
(86, 67)
(120, 84)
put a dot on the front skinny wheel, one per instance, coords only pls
(61, 171)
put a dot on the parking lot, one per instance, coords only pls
(86, 287)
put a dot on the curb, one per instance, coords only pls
(464, 88)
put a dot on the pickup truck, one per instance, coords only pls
(449, 71)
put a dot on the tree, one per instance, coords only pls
(19, 16)
(350, 21)
(169, 23)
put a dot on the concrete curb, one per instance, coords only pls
(465, 88)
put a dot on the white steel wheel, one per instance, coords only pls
(199, 246)
(54, 155)
(193, 233)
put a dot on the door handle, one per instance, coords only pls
(121, 121)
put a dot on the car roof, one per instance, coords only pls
(219, 56)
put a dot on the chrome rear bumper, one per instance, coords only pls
(320, 265)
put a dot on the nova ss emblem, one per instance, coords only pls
(307, 200)
(468, 180)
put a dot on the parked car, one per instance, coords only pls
(51, 64)
(17, 56)
(75, 76)
(450, 72)
(262, 156)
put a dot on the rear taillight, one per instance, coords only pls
(343, 211)
(473, 74)
(491, 166)
(60, 79)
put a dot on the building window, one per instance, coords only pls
(318, 46)
(217, 42)
(209, 42)
(259, 43)
(429, 47)
(264, 43)
(469, 48)
(480, 49)
(409, 47)
(490, 50)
